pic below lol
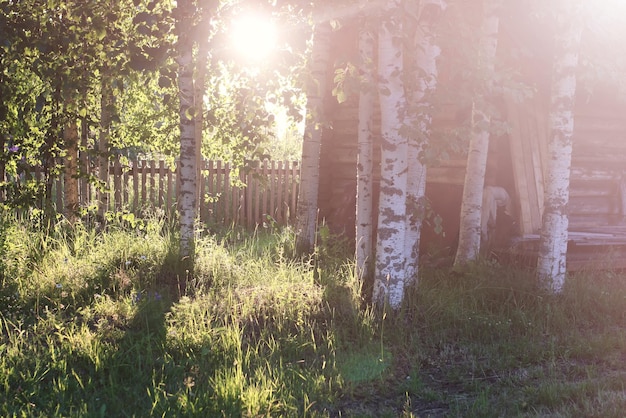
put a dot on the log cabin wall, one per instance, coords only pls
(597, 187)
(337, 193)
(517, 161)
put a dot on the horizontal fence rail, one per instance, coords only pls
(262, 192)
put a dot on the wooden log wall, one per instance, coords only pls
(598, 176)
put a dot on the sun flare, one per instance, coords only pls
(253, 37)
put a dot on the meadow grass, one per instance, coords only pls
(99, 323)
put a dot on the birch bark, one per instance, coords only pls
(471, 206)
(306, 211)
(187, 164)
(551, 262)
(389, 277)
(365, 165)
(424, 71)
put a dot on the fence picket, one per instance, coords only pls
(269, 189)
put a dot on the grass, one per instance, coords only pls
(99, 324)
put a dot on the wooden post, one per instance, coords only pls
(211, 190)
(622, 194)
(169, 191)
(279, 197)
(294, 189)
(161, 202)
(126, 185)
(272, 190)
(202, 190)
(117, 184)
(136, 186)
(257, 195)
(144, 174)
(266, 188)
(220, 188)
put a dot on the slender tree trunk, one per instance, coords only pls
(48, 156)
(424, 71)
(389, 277)
(551, 263)
(306, 212)
(106, 102)
(201, 64)
(84, 161)
(70, 178)
(187, 164)
(471, 206)
(2, 162)
(365, 165)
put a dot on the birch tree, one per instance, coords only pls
(423, 72)
(306, 211)
(471, 206)
(403, 174)
(389, 277)
(187, 165)
(551, 262)
(365, 164)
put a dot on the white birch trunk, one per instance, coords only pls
(364, 196)
(551, 262)
(425, 71)
(187, 164)
(471, 206)
(306, 211)
(389, 278)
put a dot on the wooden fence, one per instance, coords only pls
(267, 191)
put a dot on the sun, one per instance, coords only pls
(253, 36)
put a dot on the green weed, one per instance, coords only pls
(100, 323)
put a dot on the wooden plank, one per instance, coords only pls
(202, 189)
(161, 201)
(153, 198)
(531, 178)
(169, 191)
(238, 200)
(295, 172)
(248, 205)
(144, 174)
(541, 165)
(581, 173)
(222, 197)
(266, 187)
(233, 196)
(272, 190)
(279, 191)
(446, 175)
(117, 185)
(257, 197)
(211, 189)
(136, 186)
(622, 195)
(519, 170)
(598, 205)
(126, 182)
